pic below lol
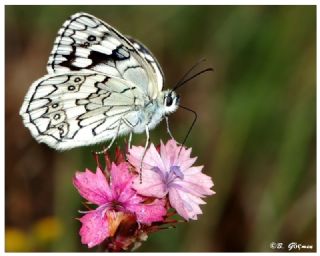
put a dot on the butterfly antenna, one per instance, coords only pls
(193, 122)
(190, 78)
(189, 71)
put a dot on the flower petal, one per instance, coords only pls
(151, 159)
(94, 228)
(148, 213)
(169, 153)
(196, 182)
(186, 162)
(120, 174)
(134, 156)
(151, 185)
(186, 205)
(93, 186)
(121, 181)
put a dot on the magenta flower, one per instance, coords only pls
(169, 172)
(117, 202)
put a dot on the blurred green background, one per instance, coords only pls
(256, 131)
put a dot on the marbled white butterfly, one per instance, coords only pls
(100, 85)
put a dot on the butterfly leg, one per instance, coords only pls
(112, 141)
(114, 137)
(144, 152)
(129, 140)
(168, 129)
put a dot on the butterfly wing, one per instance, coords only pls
(87, 43)
(80, 108)
(149, 57)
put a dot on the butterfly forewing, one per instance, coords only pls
(148, 56)
(87, 43)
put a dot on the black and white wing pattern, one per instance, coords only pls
(100, 85)
(77, 108)
(87, 43)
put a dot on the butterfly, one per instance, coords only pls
(100, 85)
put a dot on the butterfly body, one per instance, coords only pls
(100, 85)
(154, 110)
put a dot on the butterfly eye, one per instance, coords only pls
(169, 100)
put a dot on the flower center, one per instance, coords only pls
(169, 177)
(113, 205)
(116, 206)
(175, 170)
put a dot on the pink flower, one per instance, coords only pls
(117, 202)
(169, 172)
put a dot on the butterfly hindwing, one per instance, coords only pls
(80, 108)
(86, 43)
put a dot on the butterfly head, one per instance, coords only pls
(170, 101)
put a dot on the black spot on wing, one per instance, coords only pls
(70, 59)
(97, 58)
(91, 38)
(118, 54)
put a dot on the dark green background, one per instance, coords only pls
(255, 135)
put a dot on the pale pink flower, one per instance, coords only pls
(169, 172)
(117, 202)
